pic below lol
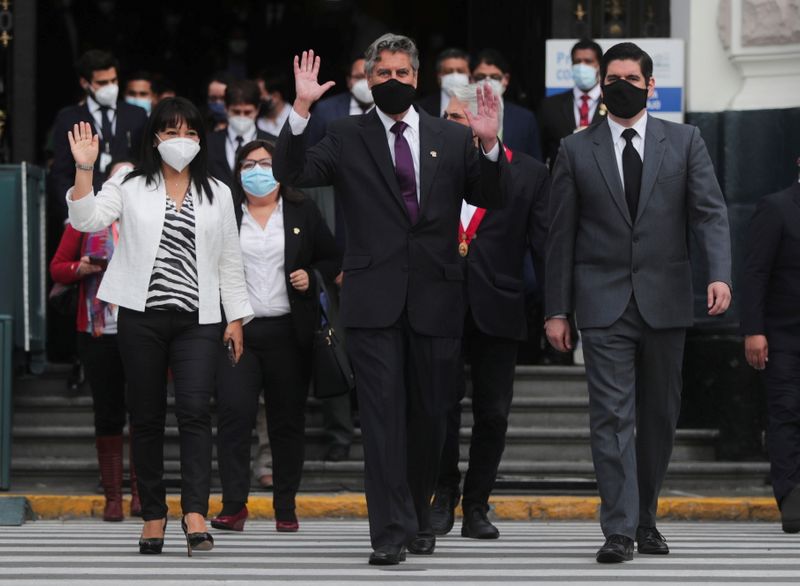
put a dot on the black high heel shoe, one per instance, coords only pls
(152, 545)
(201, 541)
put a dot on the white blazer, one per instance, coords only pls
(140, 210)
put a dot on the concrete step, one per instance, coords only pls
(533, 444)
(513, 475)
(63, 411)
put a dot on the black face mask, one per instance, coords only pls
(393, 97)
(266, 106)
(624, 100)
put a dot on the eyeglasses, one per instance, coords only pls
(248, 164)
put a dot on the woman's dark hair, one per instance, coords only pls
(239, 197)
(170, 112)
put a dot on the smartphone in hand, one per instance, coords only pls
(99, 261)
(231, 353)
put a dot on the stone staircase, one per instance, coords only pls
(547, 446)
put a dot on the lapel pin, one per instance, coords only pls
(296, 230)
(434, 154)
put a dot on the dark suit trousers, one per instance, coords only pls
(104, 371)
(405, 385)
(634, 376)
(782, 379)
(492, 361)
(150, 342)
(274, 362)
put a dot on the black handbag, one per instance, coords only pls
(332, 373)
(63, 299)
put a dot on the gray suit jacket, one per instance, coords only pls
(597, 255)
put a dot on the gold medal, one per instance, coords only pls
(463, 248)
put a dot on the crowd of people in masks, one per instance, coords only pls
(200, 262)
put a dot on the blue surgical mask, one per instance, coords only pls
(259, 182)
(141, 102)
(218, 112)
(584, 76)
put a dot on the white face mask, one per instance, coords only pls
(107, 95)
(497, 86)
(452, 80)
(178, 152)
(241, 125)
(361, 92)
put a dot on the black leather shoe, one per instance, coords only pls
(477, 526)
(650, 541)
(790, 511)
(422, 544)
(616, 549)
(388, 555)
(337, 453)
(443, 510)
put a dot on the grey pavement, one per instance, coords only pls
(90, 552)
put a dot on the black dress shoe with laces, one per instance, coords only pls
(443, 510)
(477, 525)
(388, 555)
(422, 544)
(616, 549)
(650, 541)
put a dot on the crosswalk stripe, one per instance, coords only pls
(332, 553)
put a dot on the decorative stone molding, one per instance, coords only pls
(762, 38)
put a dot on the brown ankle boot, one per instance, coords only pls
(136, 504)
(109, 456)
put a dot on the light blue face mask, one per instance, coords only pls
(259, 182)
(584, 76)
(141, 102)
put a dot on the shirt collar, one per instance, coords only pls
(246, 210)
(594, 93)
(616, 129)
(93, 106)
(248, 138)
(411, 118)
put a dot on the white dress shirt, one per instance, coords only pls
(298, 124)
(274, 127)
(619, 142)
(263, 253)
(231, 144)
(594, 101)
(355, 108)
(444, 101)
(97, 114)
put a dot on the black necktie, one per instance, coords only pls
(105, 128)
(239, 143)
(631, 172)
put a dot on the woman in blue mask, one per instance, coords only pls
(283, 239)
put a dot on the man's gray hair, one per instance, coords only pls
(466, 94)
(394, 44)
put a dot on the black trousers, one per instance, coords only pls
(274, 362)
(782, 379)
(103, 366)
(405, 386)
(150, 342)
(492, 361)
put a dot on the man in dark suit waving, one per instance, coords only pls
(401, 175)
(771, 326)
(625, 195)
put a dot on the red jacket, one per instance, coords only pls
(64, 270)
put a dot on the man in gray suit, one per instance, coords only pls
(625, 193)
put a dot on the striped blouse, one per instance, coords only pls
(173, 283)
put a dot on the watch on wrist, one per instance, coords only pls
(83, 167)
